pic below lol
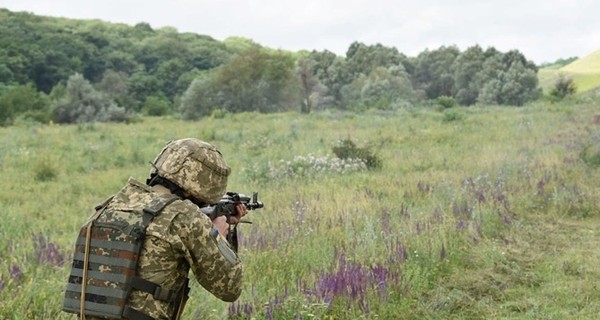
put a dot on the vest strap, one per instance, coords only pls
(158, 292)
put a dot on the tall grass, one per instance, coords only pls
(488, 212)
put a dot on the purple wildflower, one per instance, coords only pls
(1, 283)
(239, 309)
(15, 272)
(47, 252)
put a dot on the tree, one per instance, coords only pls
(433, 72)
(168, 72)
(507, 79)
(257, 80)
(520, 85)
(156, 106)
(362, 59)
(23, 101)
(338, 76)
(312, 90)
(116, 85)
(142, 84)
(383, 88)
(200, 99)
(82, 103)
(466, 67)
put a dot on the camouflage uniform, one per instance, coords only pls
(177, 239)
(180, 237)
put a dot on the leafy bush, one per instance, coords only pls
(155, 106)
(347, 150)
(446, 102)
(452, 116)
(563, 86)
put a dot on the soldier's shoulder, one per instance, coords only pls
(180, 210)
(183, 206)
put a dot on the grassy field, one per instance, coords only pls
(475, 213)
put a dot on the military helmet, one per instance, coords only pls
(195, 166)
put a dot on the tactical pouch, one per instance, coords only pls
(104, 265)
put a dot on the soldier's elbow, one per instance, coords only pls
(231, 296)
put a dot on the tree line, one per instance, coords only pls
(70, 71)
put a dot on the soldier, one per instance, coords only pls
(133, 256)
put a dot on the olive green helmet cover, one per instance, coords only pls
(195, 166)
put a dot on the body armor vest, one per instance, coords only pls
(106, 255)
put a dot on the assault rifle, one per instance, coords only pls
(226, 207)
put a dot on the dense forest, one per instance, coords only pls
(69, 71)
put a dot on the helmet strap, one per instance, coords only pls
(175, 189)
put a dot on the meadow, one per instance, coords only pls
(483, 212)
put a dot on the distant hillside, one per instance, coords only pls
(585, 71)
(587, 64)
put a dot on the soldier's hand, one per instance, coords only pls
(221, 224)
(240, 212)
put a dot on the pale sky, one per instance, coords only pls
(543, 30)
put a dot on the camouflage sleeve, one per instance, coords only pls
(216, 266)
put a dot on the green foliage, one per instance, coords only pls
(256, 80)
(559, 63)
(115, 85)
(47, 51)
(82, 103)
(200, 99)
(382, 89)
(476, 75)
(23, 101)
(156, 106)
(433, 71)
(466, 68)
(563, 86)
(346, 149)
(452, 115)
(131, 63)
(446, 102)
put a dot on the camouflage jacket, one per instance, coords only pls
(178, 239)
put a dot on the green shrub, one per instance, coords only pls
(346, 149)
(563, 86)
(155, 106)
(452, 115)
(446, 102)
